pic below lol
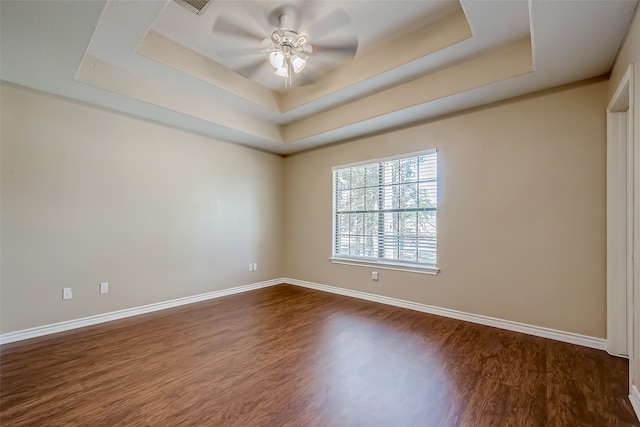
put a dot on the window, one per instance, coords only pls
(385, 211)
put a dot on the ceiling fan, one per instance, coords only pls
(284, 42)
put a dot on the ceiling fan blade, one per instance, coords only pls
(311, 74)
(250, 69)
(259, 17)
(225, 26)
(305, 80)
(231, 53)
(346, 49)
(330, 22)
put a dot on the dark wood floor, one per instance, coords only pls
(288, 356)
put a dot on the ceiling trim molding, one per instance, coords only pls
(159, 48)
(99, 73)
(504, 63)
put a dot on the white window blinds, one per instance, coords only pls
(385, 211)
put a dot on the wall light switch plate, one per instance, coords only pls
(374, 275)
(250, 267)
(67, 293)
(255, 266)
(104, 287)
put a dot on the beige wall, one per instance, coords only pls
(521, 219)
(90, 196)
(630, 54)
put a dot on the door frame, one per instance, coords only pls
(620, 219)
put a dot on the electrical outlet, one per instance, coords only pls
(104, 287)
(250, 267)
(374, 275)
(66, 293)
(255, 266)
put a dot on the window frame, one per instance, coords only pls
(382, 263)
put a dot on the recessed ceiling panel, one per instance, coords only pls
(236, 34)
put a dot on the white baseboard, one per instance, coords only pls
(539, 331)
(120, 314)
(569, 337)
(634, 397)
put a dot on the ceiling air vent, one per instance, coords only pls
(194, 6)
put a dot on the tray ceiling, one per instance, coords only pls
(415, 61)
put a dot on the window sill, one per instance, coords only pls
(386, 265)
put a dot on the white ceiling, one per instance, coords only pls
(416, 60)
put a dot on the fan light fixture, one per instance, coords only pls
(281, 42)
(289, 52)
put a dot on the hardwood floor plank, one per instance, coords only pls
(288, 356)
